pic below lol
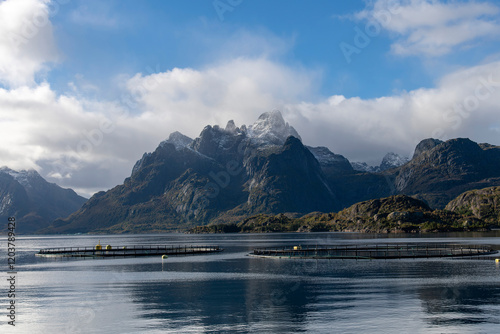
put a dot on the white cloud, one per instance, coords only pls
(91, 145)
(64, 137)
(464, 104)
(433, 28)
(240, 89)
(188, 99)
(26, 41)
(88, 145)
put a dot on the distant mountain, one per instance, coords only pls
(330, 162)
(229, 174)
(393, 214)
(364, 167)
(34, 202)
(425, 146)
(270, 128)
(389, 161)
(392, 160)
(223, 175)
(440, 171)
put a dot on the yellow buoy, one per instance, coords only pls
(497, 260)
(98, 246)
(164, 256)
(108, 247)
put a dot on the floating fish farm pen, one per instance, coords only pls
(127, 251)
(377, 251)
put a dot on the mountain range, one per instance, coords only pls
(389, 161)
(230, 173)
(34, 202)
(476, 210)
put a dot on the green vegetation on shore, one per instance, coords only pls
(477, 210)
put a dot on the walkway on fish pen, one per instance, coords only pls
(377, 251)
(125, 251)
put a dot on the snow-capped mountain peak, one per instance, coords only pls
(231, 127)
(392, 160)
(271, 128)
(178, 140)
(364, 167)
(23, 176)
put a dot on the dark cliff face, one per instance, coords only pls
(397, 214)
(449, 168)
(331, 163)
(438, 172)
(425, 146)
(34, 202)
(14, 199)
(227, 174)
(288, 180)
(222, 174)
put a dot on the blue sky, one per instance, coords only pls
(103, 39)
(116, 37)
(86, 87)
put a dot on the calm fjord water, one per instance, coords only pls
(232, 292)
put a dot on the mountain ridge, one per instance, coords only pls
(229, 173)
(33, 201)
(393, 214)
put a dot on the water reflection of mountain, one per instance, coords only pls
(212, 299)
(460, 304)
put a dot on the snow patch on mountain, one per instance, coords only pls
(325, 156)
(364, 167)
(5, 204)
(390, 160)
(271, 128)
(24, 177)
(178, 140)
(393, 160)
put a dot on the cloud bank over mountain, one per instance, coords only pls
(91, 143)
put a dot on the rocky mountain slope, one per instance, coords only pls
(389, 161)
(440, 171)
(394, 214)
(482, 204)
(223, 175)
(34, 202)
(228, 174)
